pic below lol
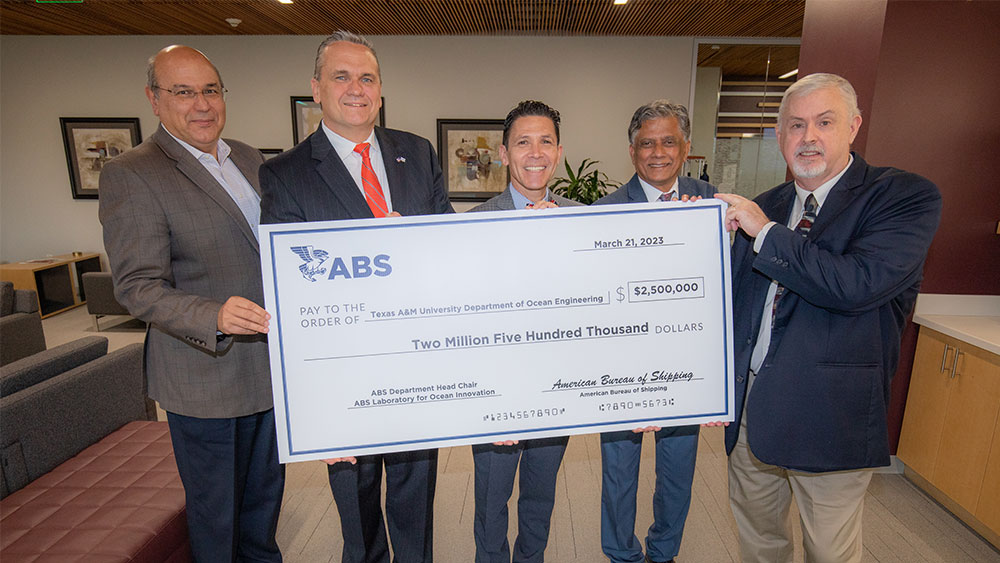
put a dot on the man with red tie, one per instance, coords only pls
(350, 169)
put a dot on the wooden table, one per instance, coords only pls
(56, 280)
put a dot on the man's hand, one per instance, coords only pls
(351, 460)
(394, 214)
(710, 424)
(646, 429)
(544, 204)
(743, 214)
(506, 443)
(686, 197)
(239, 315)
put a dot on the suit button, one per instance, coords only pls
(748, 341)
(739, 379)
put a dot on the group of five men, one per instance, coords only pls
(180, 215)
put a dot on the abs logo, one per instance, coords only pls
(354, 267)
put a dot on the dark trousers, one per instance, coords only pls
(495, 467)
(233, 485)
(676, 451)
(409, 506)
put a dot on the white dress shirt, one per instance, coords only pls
(764, 336)
(228, 175)
(352, 160)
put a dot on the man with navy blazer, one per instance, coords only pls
(350, 169)
(180, 215)
(826, 269)
(532, 153)
(659, 141)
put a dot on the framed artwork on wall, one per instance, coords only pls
(306, 115)
(92, 141)
(269, 153)
(469, 150)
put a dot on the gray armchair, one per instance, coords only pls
(100, 291)
(21, 332)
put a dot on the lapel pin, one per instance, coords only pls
(400, 159)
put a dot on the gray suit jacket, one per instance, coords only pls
(632, 191)
(505, 202)
(179, 247)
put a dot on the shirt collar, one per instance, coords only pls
(345, 146)
(653, 194)
(823, 190)
(222, 148)
(521, 202)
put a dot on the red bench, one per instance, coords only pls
(120, 499)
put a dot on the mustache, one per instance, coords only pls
(809, 148)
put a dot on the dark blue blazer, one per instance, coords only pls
(820, 400)
(632, 191)
(309, 182)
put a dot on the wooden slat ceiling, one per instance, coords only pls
(749, 60)
(722, 18)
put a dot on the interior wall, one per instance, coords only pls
(595, 83)
(931, 111)
(706, 106)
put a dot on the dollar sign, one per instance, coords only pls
(621, 294)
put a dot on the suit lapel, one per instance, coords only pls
(506, 200)
(333, 172)
(840, 196)
(635, 191)
(188, 165)
(395, 158)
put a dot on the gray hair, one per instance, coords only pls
(151, 81)
(817, 81)
(349, 37)
(657, 109)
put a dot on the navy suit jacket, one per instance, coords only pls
(820, 400)
(632, 191)
(309, 182)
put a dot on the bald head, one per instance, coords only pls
(174, 54)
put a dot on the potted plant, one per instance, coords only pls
(586, 185)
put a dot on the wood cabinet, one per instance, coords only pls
(56, 280)
(951, 428)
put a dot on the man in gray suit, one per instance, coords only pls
(659, 140)
(180, 214)
(531, 152)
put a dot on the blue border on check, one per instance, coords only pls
(723, 241)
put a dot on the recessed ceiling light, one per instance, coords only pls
(285, 1)
(620, 2)
(789, 73)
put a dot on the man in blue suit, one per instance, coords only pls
(531, 152)
(659, 141)
(350, 169)
(826, 269)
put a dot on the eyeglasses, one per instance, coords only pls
(188, 94)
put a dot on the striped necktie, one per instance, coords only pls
(373, 190)
(805, 224)
(668, 196)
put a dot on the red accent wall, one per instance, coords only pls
(929, 92)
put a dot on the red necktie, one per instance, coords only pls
(373, 190)
(668, 196)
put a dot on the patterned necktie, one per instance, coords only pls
(805, 224)
(373, 190)
(669, 196)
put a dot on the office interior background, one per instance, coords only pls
(925, 71)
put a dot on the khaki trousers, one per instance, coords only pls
(830, 507)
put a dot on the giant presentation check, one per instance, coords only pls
(420, 332)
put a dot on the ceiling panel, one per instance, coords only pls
(726, 18)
